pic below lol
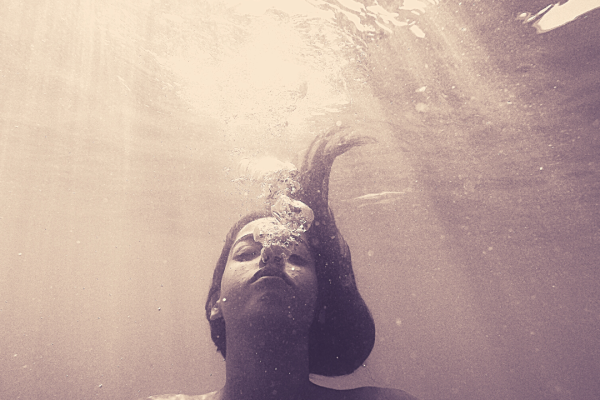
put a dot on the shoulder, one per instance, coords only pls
(377, 393)
(363, 393)
(207, 396)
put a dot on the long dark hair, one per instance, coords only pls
(342, 333)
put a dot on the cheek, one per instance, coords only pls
(231, 282)
(306, 279)
(301, 274)
(308, 296)
(231, 297)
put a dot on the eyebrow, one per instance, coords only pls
(243, 238)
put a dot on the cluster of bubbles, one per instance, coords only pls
(279, 182)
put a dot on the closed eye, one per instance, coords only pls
(247, 254)
(297, 260)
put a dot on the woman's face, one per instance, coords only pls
(270, 286)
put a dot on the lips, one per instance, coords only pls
(273, 272)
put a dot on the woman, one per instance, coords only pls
(284, 302)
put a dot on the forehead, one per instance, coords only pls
(249, 228)
(262, 222)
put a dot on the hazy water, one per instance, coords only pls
(473, 223)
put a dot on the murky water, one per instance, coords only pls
(473, 222)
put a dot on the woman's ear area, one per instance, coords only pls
(215, 310)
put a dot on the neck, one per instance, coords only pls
(266, 362)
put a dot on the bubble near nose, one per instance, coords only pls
(274, 254)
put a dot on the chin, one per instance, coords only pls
(273, 308)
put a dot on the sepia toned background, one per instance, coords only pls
(473, 221)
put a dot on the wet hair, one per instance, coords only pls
(342, 333)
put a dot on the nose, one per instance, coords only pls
(273, 255)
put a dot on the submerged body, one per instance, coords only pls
(269, 301)
(284, 306)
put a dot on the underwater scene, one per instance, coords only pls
(133, 135)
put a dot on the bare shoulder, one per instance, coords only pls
(377, 393)
(207, 396)
(362, 393)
